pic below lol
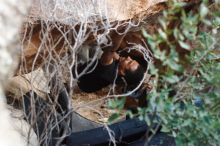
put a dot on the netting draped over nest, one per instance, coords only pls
(64, 32)
(60, 34)
(74, 11)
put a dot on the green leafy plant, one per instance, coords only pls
(116, 104)
(186, 93)
(186, 84)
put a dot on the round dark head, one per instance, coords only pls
(134, 77)
(131, 70)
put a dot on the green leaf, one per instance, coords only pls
(147, 120)
(162, 34)
(146, 35)
(172, 79)
(216, 21)
(163, 23)
(153, 70)
(116, 103)
(184, 45)
(203, 10)
(113, 117)
(165, 129)
(177, 34)
(174, 133)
